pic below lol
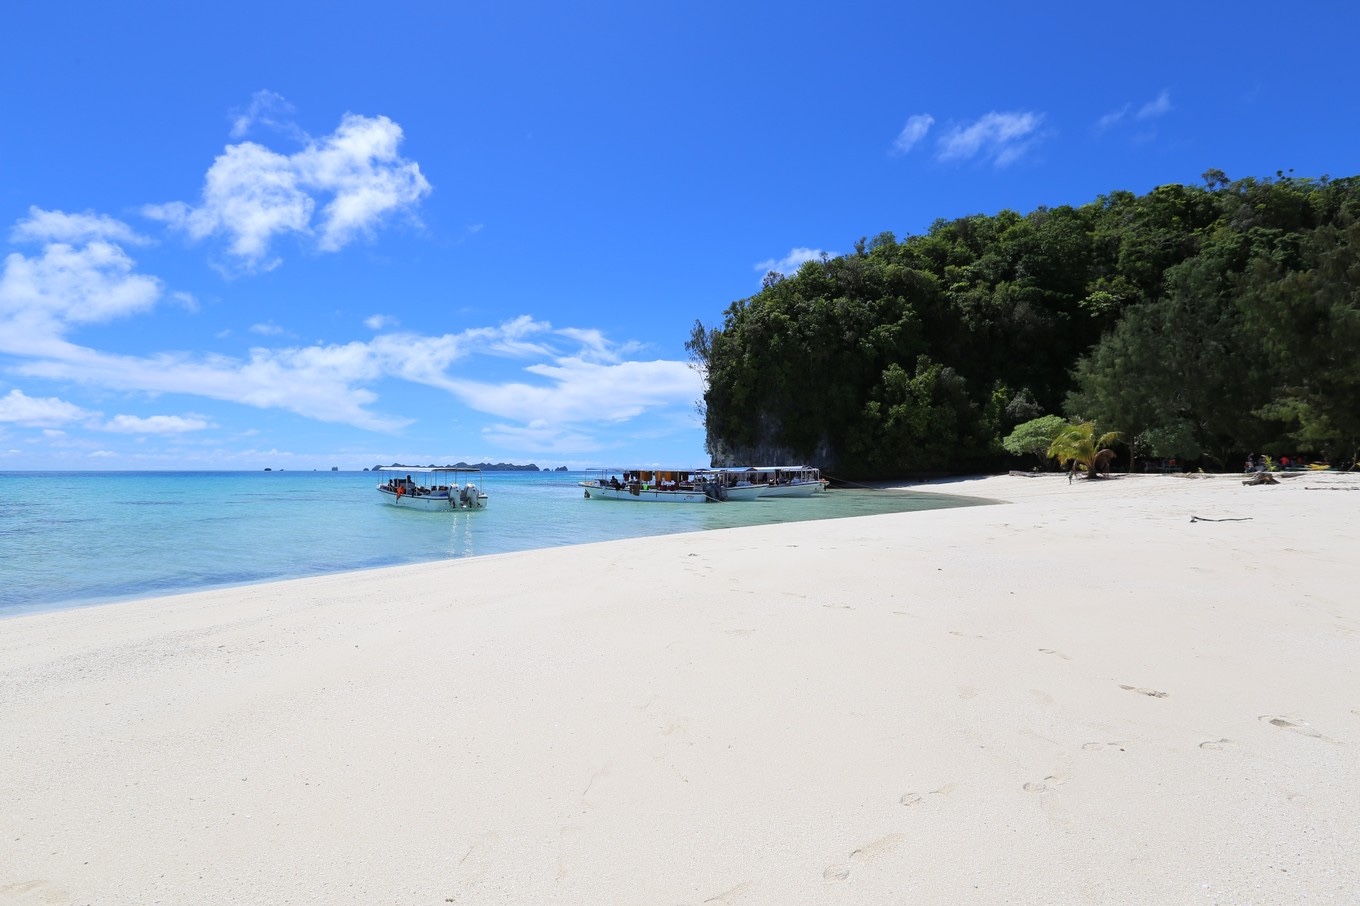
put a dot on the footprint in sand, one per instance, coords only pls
(1102, 746)
(910, 799)
(473, 866)
(1216, 744)
(565, 836)
(1057, 653)
(871, 851)
(730, 896)
(1298, 726)
(594, 778)
(1151, 693)
(866, 853)
(1049, 801)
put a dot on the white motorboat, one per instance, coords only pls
(652, 485)
(738, 483)
(788, 481)
(435, 489)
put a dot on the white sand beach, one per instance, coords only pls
(1140, 690)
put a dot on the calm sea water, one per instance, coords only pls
(72, 538)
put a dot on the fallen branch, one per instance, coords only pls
(1261, 478)
(1225, 519)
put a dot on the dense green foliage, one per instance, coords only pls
(1035, 437)
(1203, 323)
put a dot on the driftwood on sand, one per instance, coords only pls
(1261, 478)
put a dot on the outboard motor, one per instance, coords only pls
(466, 495)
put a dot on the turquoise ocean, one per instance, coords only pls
(69, 539)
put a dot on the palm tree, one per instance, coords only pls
(1077, 444)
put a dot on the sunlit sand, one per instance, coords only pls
(1140, 690)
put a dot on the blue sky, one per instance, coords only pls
(300, 235)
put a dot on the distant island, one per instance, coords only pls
(484, 466)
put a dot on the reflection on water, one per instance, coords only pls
(68, 538)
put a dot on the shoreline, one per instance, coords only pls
(1126, 691)
(146, 542)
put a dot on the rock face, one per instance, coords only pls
(770, 455)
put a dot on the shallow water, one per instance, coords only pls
(72, 538)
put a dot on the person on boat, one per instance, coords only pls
(614, 482)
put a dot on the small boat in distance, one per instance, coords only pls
(787, 481)
(437, 489)
(652, 485)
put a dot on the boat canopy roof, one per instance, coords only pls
(652, 469)
(425, 470)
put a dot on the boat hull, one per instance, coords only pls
(440, 502)
(744, 492)
(794, 489)
(596, 491)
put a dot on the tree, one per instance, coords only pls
(1034, 436)
(1078, 444)
(1309, 322)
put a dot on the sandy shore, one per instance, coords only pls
(1091, 694)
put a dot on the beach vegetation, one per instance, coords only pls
(1034, 437)
(1078, 445)
(1200, 322)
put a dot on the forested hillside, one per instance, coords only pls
(1199, 322)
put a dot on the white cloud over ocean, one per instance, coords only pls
(335, 190)
(551, 386)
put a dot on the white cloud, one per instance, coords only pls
(33, 412)
(267, 329)
(251, 195)
(1001, 138)
(156, 424)
(67, 285)
(916, 128)
(1156, 107)
(574, 378)
(580, 392)
(540, 437)
(1113, 118)
(360, 165)
(266, 109)
(58, 226)
(319, 382)
(378, 322)
(795, 259)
